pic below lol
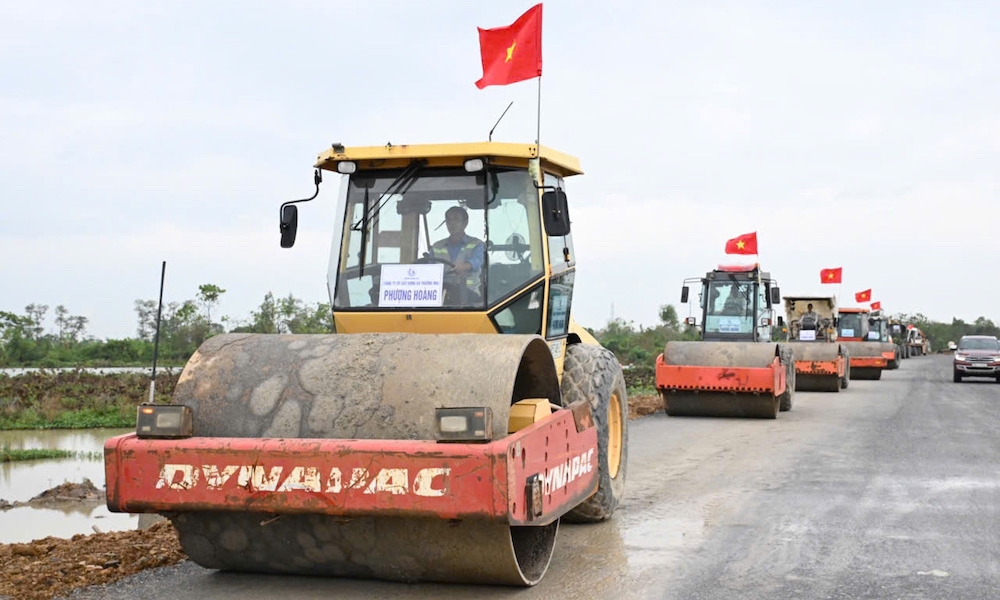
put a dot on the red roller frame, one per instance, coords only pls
(361, 477)
(873, 362)
(769, 379)
(822, 367)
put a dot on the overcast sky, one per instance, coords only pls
(862, 135)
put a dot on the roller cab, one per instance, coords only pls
(456, 415)
(735, 370)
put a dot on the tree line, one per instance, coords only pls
(26, 341)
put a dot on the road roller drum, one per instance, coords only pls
(821, 366)
(867, 359)
(725, 379)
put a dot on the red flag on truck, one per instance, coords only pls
(864, 296)
(876, 306)
(744, 244)
(831, 275)
(513, 53)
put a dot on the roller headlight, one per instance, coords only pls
(467, 424)
(164, 421)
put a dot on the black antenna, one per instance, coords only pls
(156, 342)
(498, 120)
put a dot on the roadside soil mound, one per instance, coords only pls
(641, 406)
(66, 492)
(52, 567)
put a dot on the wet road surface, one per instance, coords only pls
(888, 489)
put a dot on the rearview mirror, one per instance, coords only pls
(781, 321)
(289, 225)
(684, 295)
(555, 213)
(775, 295)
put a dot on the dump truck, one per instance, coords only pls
(821, 363)
(456, 415)
(735, 370)
(869, 356)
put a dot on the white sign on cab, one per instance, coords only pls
(411, 285)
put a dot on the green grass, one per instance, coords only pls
(85, 418)
(76, 399)
(642, 390)
(8, 454)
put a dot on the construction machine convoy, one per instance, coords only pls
(821, 363)
(735, 370)
(868, 353)
(414, 443)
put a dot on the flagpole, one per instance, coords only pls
(538, 118)
(760, 285)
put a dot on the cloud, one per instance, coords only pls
(844, 136)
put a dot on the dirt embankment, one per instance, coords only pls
(641, 406)
(61, 494)
(53, 567)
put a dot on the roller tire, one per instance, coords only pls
(786, 400)
(593, 373)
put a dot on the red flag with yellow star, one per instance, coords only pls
(831, 275)
(876, 306)
(513, 53)
(864, 296)
(744, 244)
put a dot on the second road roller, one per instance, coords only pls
(735, 370)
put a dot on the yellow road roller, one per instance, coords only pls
(414, 443)
(821, 363)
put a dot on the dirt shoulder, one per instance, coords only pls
(53, 567)
(65, 493)
(641, 406)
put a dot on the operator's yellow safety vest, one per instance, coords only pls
(440, 250)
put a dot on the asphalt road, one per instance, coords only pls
(888, 489)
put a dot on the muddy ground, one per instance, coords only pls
(53, 567)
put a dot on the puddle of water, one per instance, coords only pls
(22, 525)
(23, 480)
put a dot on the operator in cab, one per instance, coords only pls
(810, 316)
(464, 252)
